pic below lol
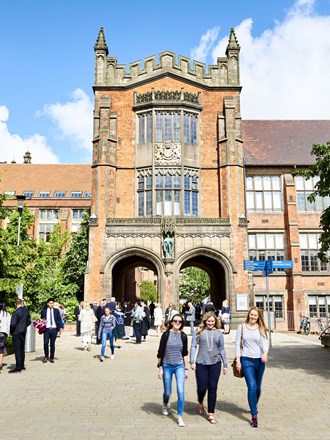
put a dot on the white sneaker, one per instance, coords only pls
(180, 422)
(165, 411)
(102, 358)
(112, 356)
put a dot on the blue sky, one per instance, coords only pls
(47, 61)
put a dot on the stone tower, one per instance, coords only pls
(168, 174)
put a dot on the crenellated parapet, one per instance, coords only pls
(223, 74)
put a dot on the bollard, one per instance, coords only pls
(30, 339)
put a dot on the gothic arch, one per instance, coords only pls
(120, 263)
(217, 265)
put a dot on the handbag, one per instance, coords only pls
(236, 372)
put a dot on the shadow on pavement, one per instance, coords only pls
(310, 358)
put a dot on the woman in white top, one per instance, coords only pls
(4, 329)
(87, 321)
(251, 356)
(158, 318)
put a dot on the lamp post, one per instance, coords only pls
(20, 205)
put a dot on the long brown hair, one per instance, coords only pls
(260, 320)
(202, 325)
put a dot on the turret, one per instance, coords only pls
(232, 53)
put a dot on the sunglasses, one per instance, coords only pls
(176, 321)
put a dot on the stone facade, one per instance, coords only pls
(212, 237)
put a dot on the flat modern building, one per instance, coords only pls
(178, 179)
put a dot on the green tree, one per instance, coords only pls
(148, 291)
(15, 259)
(321, 169)
(76, 257)
(194, 284)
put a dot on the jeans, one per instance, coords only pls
(207, 377)
(105, 337)
(179, 372)
(137, 331)
(253, 370)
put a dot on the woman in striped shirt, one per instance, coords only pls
(173, 359)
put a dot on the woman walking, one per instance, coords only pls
(87, 325)
(173, 359)
(106, 331)
(211, 356)
(4, 330)
(119, 330)
(225, 317)
(251, 356)
(158, 318)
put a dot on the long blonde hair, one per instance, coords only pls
(202, 325)
(260, 321)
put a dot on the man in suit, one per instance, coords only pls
(77, 311)
(20, 321)
(53, 326)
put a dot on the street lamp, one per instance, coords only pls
(20, 206)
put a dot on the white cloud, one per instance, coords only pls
(206, 42)
(74, 119)
(13, 146)
(285, 70)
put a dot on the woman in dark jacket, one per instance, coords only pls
(173, 359)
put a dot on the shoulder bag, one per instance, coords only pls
(236, 372)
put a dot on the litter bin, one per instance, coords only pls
(30, 339)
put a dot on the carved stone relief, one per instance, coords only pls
(167, 153)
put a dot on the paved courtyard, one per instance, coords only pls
(78, 397)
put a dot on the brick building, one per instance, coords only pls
(178, 179)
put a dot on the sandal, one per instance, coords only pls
(200, 409)
(211, 419)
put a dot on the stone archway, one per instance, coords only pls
(217, 266)
(121, 275)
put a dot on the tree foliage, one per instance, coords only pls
(54, 268)
(321, 169)
(76, 257)
(194, 284)
(148, 291)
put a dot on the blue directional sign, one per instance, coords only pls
(269, 267)
(254, 264)
(284, 264)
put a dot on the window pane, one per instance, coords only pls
(303, 241)
(261, 244)
(268, 200)
(168, 203)
(258, 183)
(194, 203)
(252, 242)
(259, 200)
(270, 242)
(168, 127)
(277, 201)
(279, 241)
(149, 128)
(159, 205)
(176, 202)
(168, 181)
(141, 130)
(276, 183)
(267, 183)
(187, 202)
(250, 200)
(249, 183)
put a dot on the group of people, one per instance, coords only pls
(112, 321)
(208, 358)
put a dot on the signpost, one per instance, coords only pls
(267, 267)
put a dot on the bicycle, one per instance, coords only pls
(319, 325)
(305, 326)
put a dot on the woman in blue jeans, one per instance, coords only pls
(173, 360)
(106, 331)
(211, 356)
(251, 355)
